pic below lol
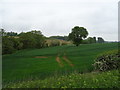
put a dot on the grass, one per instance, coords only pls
(74, 80)
(22, 66)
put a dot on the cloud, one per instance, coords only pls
(57, 17)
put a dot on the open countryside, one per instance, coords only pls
(59, 44)
(54, 61)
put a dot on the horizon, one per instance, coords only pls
(67, 35)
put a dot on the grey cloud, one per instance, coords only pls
(57, 17)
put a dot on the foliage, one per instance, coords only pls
(28, 40)
(7, 45)
(11, 34)
(60, 37)
(55, 43)
(94, 40)
(74, 80)
(33, 39)
(64, 43)
(16, 43)
(2, 32)
(89, 40)
(108, 61)
(78, 34)
(100, 40)
(10, 44)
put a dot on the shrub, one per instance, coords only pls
(55, 43)
(107, 61)
(32, 40)
(7, 45)
(63, 43)
(17, 45)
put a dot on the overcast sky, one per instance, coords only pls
(58, 17)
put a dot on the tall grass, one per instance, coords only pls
(74, 80)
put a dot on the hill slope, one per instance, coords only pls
(43, 63)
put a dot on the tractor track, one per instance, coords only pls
(59, 61)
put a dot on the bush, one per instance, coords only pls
(17, 44)
(107, 61)
(33, 39)
(63, 43)
(7, 45)
(55, 43)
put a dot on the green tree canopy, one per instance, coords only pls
(2, 32)
(11, 34)
(100, 40)
(7, 45)
(33, 39)
(78, 34)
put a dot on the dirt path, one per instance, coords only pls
(67, 60)
(59, 61)
(62, 52)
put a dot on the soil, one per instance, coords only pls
(59, 61)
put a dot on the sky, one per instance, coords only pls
(58, 17)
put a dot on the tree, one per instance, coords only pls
(33, 39)
(7, 45)
(94, 38)
(11, 33)
(55, 43)
(39, 38)
(60, 37)
(100, 40)
(16, 43)
(28, 40)
(90, 40)
(77, 35)
(36, 32)
(2, 32)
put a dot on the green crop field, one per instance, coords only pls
(41, 63)
(107, 79)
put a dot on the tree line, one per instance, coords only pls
(78, 35)
(12, 41)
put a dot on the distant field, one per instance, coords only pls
(42, 63)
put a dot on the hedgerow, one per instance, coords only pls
(107, 61)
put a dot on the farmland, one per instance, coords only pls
(74, 80)
(42, 63)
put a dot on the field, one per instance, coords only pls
(41, 63)
(74, 80)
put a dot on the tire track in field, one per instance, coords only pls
(67, 60)
(59, 61)
(63, 51)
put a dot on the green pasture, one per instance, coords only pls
(23, 65)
